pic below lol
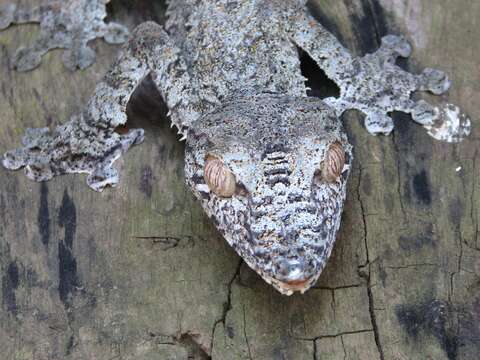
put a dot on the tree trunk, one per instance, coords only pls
(139, 272)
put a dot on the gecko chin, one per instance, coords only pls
(271, 172)
(288, 288)
(296, 279)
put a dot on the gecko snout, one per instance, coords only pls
(293, 273)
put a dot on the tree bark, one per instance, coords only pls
(139, 272)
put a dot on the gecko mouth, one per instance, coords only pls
(297, 282)
(289, 287)
(297, 285)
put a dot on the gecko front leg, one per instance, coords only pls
(375, 85)
(68, 25)
(89, 143)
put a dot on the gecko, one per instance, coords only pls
(268, 163)
(65, 24)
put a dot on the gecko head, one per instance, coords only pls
(271, 171)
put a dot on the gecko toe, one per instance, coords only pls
(7, 14)
(79, 58)
(40, 169)
(33, 136)
(116, 34)
(435, 81)
(423, 113)
(451, 125)
(26, 59)
(14, 159)
(27, 155)
(103, 177)
(396, 46)
(378, 123)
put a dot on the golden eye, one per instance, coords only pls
(219, 179)
(334, 161)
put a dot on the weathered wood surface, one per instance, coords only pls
(139, 272)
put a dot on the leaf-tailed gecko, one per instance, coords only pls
(268, 163)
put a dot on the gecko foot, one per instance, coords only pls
(377, 86)
(68, 24)
(75, 147)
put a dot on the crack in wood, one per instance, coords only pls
(371, 309)
(227, 305)
(331, 336)
(332, 288)
(188, 340)
(169, 242)
(245, 334)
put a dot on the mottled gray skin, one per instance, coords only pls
(284, 217)
(229, 72)
(65, 24)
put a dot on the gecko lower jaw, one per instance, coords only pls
(290, 287)
(300, 286)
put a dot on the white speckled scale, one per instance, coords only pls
(229, 72)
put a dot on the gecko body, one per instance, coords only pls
(268, 163)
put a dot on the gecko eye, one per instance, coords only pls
(334, 161)
(219, 178)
